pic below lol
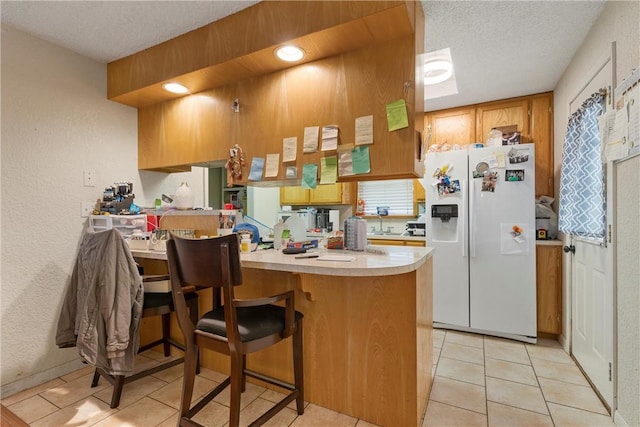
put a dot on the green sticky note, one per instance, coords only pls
(360, 159)
(328, 170)
(397, 115)
(309, 176)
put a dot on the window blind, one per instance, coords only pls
(397, 194)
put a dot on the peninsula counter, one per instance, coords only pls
(367, 329)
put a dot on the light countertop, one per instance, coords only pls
(549, 242)
(396, 260)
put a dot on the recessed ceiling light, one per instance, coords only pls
(175, 88)
(437, 72)
(289, 53)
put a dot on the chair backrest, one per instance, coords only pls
(200, 262)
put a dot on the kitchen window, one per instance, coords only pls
(397, 194)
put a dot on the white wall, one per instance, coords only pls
(56, 123)
(628, 290)
(619, 22)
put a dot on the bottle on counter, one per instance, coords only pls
(278, 231)
(245, 243)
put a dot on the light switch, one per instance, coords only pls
(89, 179)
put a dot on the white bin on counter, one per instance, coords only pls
(125, 224)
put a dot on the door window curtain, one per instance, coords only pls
(582, 188)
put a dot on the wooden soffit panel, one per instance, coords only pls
(242, 45)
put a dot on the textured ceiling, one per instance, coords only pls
(500, 49)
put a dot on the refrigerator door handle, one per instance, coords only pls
(472, 227)
(463, 221)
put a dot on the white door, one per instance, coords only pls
(592, 319)
(592, 333)
(502, 252)
(448, 237)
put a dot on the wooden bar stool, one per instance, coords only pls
(155, 304)
(236, 328)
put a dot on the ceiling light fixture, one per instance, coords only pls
(289, 53)
(437, 72)
(175, 88)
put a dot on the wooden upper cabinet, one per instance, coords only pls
(455, 126)
(532, 115)
(499, 114)
(542, 137)
(294, 196)
(362, 57)
(326, 194)
(329, 194)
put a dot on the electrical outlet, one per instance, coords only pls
(89, 179)
(87, 208)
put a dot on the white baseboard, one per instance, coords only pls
(7, 390)
(618, 420)
(562, 339)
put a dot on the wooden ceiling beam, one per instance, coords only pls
(242, 45)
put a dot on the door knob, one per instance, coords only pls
(570, 248)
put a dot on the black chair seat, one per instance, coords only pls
(253, 322)
(153, 300)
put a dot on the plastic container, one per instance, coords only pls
(245, 244)
(278, 237)
(125, 224)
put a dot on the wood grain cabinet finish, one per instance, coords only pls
(454, 126)
(329, 194)
(533, 116)
(549, 288)
(335, 88)
(398, 242)
(503, 113)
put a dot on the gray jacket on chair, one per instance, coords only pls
(103, 305)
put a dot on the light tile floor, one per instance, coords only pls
(478, 381)
(487, 381)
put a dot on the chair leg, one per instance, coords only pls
(236, 389)
(117, 391)
(188, 379)
(193, 313)
(298, 371)
(96, 379)
(244, 377)
(166, 333)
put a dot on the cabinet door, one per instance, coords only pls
(498, 114)
(328, 193)
(542, 137)
(457, 126)
(418, 195)
(549, 288)
(293, 196)
(386, 242)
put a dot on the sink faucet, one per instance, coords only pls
(380, 218)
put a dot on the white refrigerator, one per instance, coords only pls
(481, 222)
